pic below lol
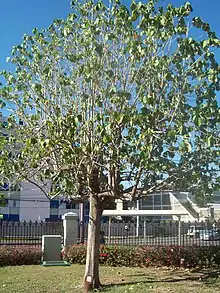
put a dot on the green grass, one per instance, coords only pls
(38, 279)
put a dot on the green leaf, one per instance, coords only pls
(99, 49)
(45, 143)
(35, 31)
(78, 118)
(209, 139)
(171, 134)
(2, 104)
(144, 110)
(205, 43)
(188, 146)
(106, 139)
(3, 201)
(197, 22)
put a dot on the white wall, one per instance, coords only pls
(34, 205)
(177, 206)
(63, 210)
(216, 197)
(13, 206)
(4, 210)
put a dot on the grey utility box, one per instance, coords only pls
(51, 247)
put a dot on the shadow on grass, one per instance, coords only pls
(208, 278)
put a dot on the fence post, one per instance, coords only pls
(109, 230)
(145, 228)
(138, 220)
(70, 225)
(179, 230)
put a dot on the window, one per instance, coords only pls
(157, 202)
(54, 204)
(147, 202)
(72, 206)
(14, 218)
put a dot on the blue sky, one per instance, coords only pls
(21, 16)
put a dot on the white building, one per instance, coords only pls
(173, 202)
(33, 204)
(29, 203)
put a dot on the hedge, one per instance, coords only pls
(130, 256)
(19, 255)
(144, 256)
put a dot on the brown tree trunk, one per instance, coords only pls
(91, 278)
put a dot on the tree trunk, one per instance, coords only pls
(91, 278)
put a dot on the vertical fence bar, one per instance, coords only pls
(20, 229)
(41, 232)
(183, 234)
(35, 237)
(12, 233)
(37, 233)
(24, 230)
(109, 230)
(5, 228)
(1, 236)
(179, 231)
(30, 233)
(145, 229)
(8, 231)
(138, 220)
(172, 234)
(15, 232)
(113, 233)
(121, 234)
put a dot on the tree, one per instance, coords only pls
(113, 102)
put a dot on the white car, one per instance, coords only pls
(210, 235)
(195, 231)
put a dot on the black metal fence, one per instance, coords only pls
(154, 234)
(27, 233)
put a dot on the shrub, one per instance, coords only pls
(109, 255)
(149, 256)
(118, 256)
(130, 256)
(19, 255)
(75, 254)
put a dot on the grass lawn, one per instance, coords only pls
(38, 279)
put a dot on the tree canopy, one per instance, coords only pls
(122, 96)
